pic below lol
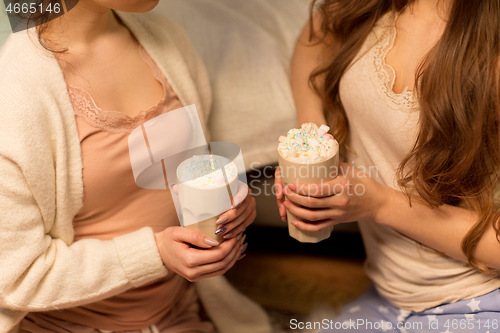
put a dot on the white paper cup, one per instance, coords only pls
(201, 206)
(293, 172)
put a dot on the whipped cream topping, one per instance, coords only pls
(201, 171)
(309, 143)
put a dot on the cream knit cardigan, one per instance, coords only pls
(41, 189)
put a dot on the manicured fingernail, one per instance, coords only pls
(295, 223)
(244, 247)
(292, 187)
(211, 241)
(222, 219)
(228, 235)
(220, 231)
(239, 237)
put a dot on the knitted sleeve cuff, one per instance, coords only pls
(139, 257)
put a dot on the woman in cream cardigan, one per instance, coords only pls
(78, 239)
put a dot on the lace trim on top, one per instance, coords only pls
(116, 121)
(385, 74)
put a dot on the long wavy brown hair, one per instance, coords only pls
(456, 156)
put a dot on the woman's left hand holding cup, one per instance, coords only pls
(236, 220)
(352, 196)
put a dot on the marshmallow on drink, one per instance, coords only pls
(308, 155)
(309, 143)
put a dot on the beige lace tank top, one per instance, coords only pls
(383, 128)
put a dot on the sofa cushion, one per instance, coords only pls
(246, 46)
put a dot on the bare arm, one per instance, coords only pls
(441, 228)
(306, 58)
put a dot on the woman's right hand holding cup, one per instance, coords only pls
(203, 260)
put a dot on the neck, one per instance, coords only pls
(432, 10)
(82, 26)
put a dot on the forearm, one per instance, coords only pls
(305, 60)
(308, 104)
(310, 117)
(442, 228)
(61, 276)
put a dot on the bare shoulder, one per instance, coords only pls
(316, 32)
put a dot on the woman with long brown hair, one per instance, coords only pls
(410, 90)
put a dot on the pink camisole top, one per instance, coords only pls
(114, 205)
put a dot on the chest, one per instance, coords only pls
(383, 124)
(119, 77)
(413, 39)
